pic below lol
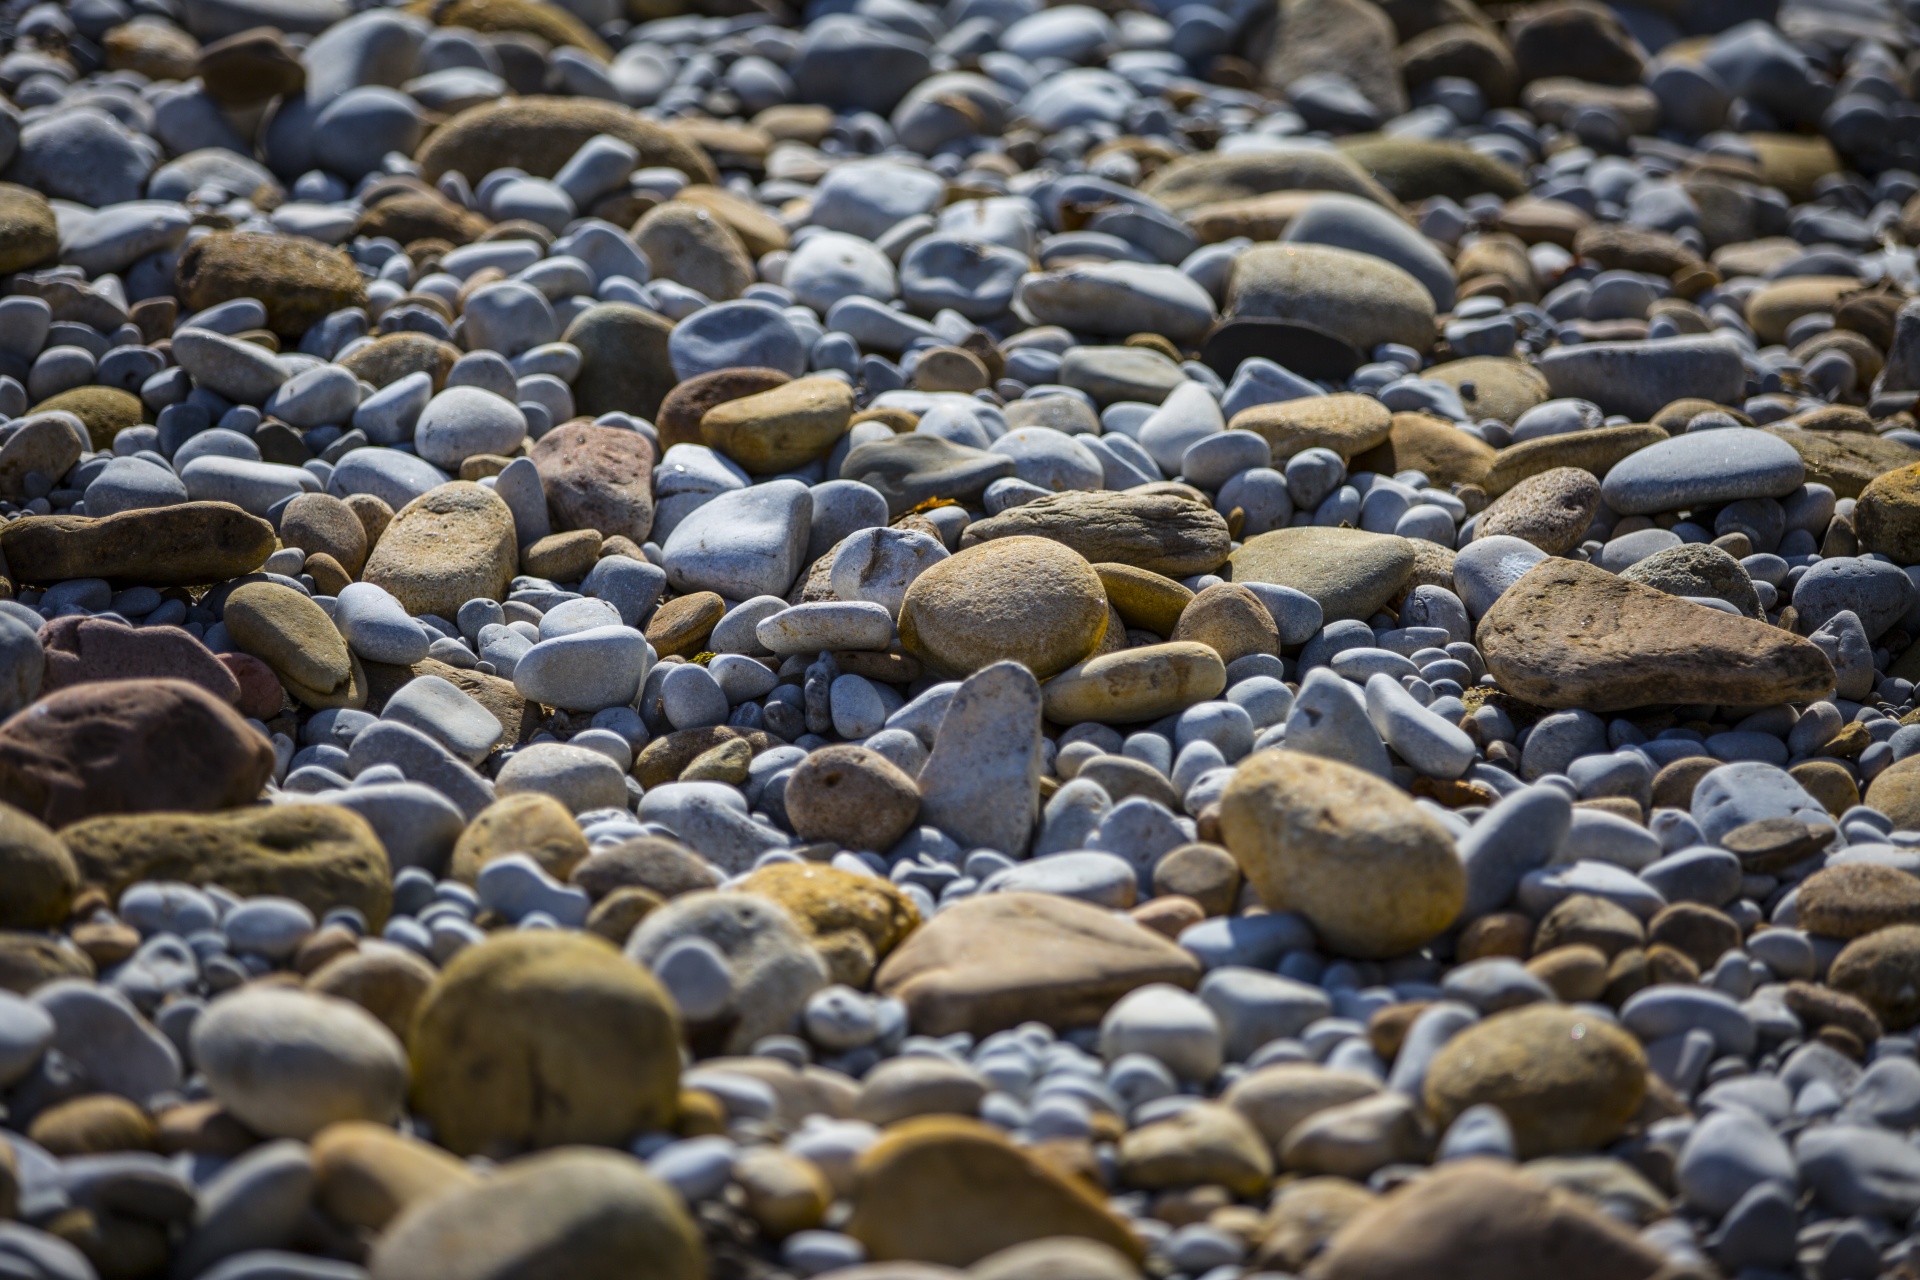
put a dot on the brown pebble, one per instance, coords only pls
(1387, 1028)
(615, 915)
(1168, 914)
(1774, 844)
(1666, 965)
(329, 579)
(202, 1129)
(1203, 872)
(1829, 782)
(1504, 933)
(1590, 920)
(1698, 932)
(106, 942)
(323, 945)
(680, 627)
(1673, 785)
(1577, 972)
(1627, 974)
(950, 369)
(90, 1125)
(1855, 899)
(1818, 1006)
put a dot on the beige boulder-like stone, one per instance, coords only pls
(1373, 873)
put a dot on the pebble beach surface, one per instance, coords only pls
(1200, 640)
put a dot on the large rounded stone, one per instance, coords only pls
(854, 921)
(1373, 873)
(988, 963)
(948, 1190)
(541, 134)
(1362, 299)
(293, 635)
(1347, 424)
(597, 478)
(105, 411)
(189, 544)
(1573, 635)
(119, 746)
(1030, 600)
(689, 245)
(530, 823)
(299, 280)
(1551, 510)
(1485, 1220)
(1887, 516)
(1855, 899)
(38, 873)
(781, 429)
(451, 544)
(28, 232)
(854, 797)
(1883, 971)
(321, 856)
(287, 1064)
(624, 366)
(1566, 1080)
(1135, 685)
(585, 1215)
(1164, 532)
(534, 1040)
(1350, 572)
(365, 1175)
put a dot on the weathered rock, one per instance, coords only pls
(1566, 1081)
(1347, 424)
(1573, 635)
(535, 1039)
(116, 747)
(854, 921)
(597, 478)
(1351, 573)
(1848, 462)
(583, 1214)
(949, 1190)
(1374, 874)
(541, 134)
(624, 366)
(446, 547)
(1135, 685)
(1551, 510)
(1479, 1219)
(780, 429)
(29, 235)
(854, 797)
(321, 856)
(189, 544)
(1359, 298)
(1160, 532)
(1032, 600)
(988, 963)
(299, 280)
(39, 874)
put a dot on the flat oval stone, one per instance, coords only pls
(1701, 469)
(1135, 685)
(1573, 635)
(1351, 573)
(446, 547)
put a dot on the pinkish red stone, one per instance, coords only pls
(83, 649)
(260, 693)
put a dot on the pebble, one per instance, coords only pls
(1317, 621)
